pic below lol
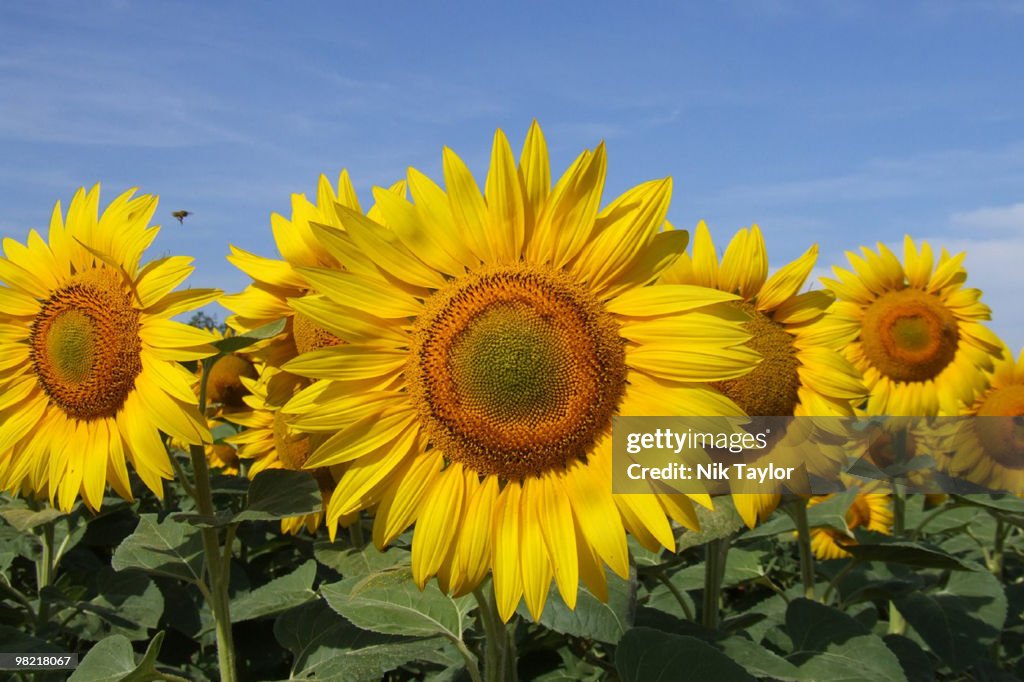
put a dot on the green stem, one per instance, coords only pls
(471, 661)
(797, 509)
(499, 646)
(897, 623)
(215, 563)
(680, 597)
(44, 572)
(834, 584)
(715, 555)
(995, 559)
(18, 596)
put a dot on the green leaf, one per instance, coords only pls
(831, 513)
(592, 618)
(230, 344)
(24, 519)
(113, 660)
(277, 596)
(646, 655)
(758, 661)
(723, 522)
(917, 665)
(133, 600)
(353, 562)
(830, 645)
(16, 641)
(961, 622)
(279, 493)
(1005, 503)
(328, 648)
(740, 565)
(389, 602)
(163, 547)
(909, 554)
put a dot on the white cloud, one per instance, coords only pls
(998, 218)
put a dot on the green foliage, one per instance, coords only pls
(126, 597)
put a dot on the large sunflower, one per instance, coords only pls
(89, 371)
(989, 450)
(803, 372)
(276, 283)
(491, 342)
(917, 332)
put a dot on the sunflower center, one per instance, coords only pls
(85, 346)
(1000, 425)
(771, 388)
(225, 383)
(909, 335)
(517, 370)
(292, 448)
(310, 336)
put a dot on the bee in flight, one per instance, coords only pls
(181, 215)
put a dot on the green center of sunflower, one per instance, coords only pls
(771, 388)
(1000, 425)
(85, 346)
(909, 335)
(517, 370)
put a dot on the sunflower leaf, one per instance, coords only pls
(961, 622)
(280, 493)
(230, 344)
(909, 554)
(647, 655)
(113, 660)
(389, 602)
(331, 649)
(165, 547)
(592, 618)
(277, 596)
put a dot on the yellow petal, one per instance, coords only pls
(437, 524)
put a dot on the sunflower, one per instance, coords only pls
(89, 371)
(272, 444)
(803, 372)
(869, 510)
(917, 332)
(489, 346)
(989, 449)
(276, 283)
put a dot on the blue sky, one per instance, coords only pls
(840, 123)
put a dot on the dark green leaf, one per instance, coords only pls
(328, 648)
(389, 602)
(354, 563)
(961, 622)
(230, 344)
(15, 641)
(277, 596)
(165, 548)
(113, 660)
(827, 644)
(279, 493)
(916, 664)
(592, 618)
(758, 661)
(908, 553)
(24, 519)
(646, 655)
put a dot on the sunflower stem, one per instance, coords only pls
(44, 571)
(716, 553)
(663, 578)
(995, 559)
(217, 567)
(797, 510)
(499, 647)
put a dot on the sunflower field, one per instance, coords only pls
(395, 459)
